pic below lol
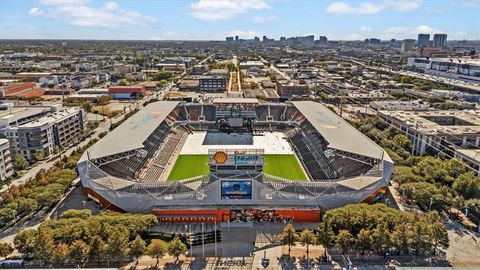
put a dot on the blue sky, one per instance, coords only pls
(215, 19)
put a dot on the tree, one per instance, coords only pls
(364, 241)
(421, 240)
(381, 236)
(325, 235)
(288, 237)
(5, 249)
(60, 253)
(307, 238)
(44, 245)
(21, 162)
(79, 251)
(137, 247)
(401, 238)
(25, 242)
(176, 248)
(117, 242)
(156, 249)
(39, 154)
(455, 167)
(98, 248)
(467, 185)
(402, 141)
(344, 241)
(438, 232)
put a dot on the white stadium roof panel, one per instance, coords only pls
(338, 133)
(131, 134)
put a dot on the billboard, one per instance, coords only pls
(234, 157)
(236, 190)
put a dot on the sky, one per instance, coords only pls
(216, 19)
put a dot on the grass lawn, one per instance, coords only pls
(187, 166)
(286, 166)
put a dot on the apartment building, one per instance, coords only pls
(44, 134)
(6, 166)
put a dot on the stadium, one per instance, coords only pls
(234, 160)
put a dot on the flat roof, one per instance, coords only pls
(426, 126)
(16, 113)
(131, 134)
(53, 117)
(337, 132)
(235, 100)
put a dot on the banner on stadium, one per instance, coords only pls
(233, 157)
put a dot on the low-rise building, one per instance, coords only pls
(433, 131)
(213, 83)
(287, 89)
(44, 134)
(126, 92)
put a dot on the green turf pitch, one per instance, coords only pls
(188, 166)
(286, 166)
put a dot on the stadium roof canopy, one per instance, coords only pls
(338, 133)
(133, 132)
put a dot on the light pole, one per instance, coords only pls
(84, 202)
(14, 212)
(430, 206)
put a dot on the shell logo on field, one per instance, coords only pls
(220, 157)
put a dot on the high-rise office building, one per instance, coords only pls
(374, 41)
(323, 39)
(236, 38)
(440, 40)
(423, 40)
(407, 45)
(229, 39)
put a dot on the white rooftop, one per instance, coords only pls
(337, 132)
(133, 132)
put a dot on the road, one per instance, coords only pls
(448, 81)
(274, 68)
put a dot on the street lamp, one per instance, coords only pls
(84, 202)
(14, 212)
(430, 206)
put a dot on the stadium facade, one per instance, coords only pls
(128, 169)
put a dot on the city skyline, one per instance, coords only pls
(216, 19)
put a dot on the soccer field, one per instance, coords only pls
(286, 166)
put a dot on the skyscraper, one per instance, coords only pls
(323, 39)
(407, 45)
(423, 40)
(440, 40)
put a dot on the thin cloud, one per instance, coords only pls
(216, 10)
(77, 13)
(363, 8)
(263, 19)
